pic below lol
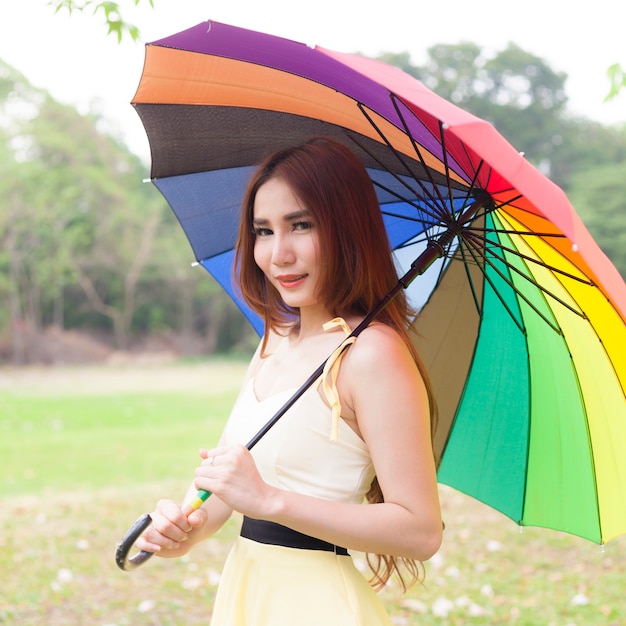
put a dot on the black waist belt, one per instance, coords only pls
(277, 535)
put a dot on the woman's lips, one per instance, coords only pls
(290, 281)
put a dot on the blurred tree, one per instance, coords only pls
(85, 245)
(527, 98)
(401, 60)
(599, 196)
(10, 253)
(111, 11)
(453, 72)
(583, 144)
(514, 90)
(63, 220)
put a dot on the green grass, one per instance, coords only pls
(96, 441)
(82, 459)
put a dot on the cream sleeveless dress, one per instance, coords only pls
(310, 450)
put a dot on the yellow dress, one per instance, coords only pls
(310, 451)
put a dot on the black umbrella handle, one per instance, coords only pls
(123, 547)
(133, 533)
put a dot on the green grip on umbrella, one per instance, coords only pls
(199, 499)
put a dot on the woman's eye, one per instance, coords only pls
(302, 225)
(261, 232)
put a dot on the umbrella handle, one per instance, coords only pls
(124, 546)
(133, 533)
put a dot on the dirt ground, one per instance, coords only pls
(139, 374)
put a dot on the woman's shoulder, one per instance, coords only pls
(378, 364)
(379, 344)
(379, 335)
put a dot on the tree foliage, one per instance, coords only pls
(617, 77)
(111, 11)
(599, 195)
(83, 242)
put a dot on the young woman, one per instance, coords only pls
(350, 466)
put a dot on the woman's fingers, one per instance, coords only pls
(197, 518)
(169, 528)
(231, 474)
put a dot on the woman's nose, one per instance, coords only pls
(282, 250)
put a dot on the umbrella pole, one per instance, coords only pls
(435, 249)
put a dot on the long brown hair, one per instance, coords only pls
(358, 268)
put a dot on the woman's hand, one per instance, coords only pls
(231, 474)
(171, 533)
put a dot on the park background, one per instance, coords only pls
(118, 359)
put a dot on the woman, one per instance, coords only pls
(312, 249)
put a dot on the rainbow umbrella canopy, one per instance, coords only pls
(521, 317)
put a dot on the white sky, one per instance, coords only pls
(80, 64)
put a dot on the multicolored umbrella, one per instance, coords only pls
(522, 319)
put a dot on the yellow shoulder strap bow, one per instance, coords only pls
(331, 371)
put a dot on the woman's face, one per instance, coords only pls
(286, 246)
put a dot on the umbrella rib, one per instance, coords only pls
(474, 230)
(510, 201)
(468, 196)
(408, 218)
(446, 164)
(473, 184)
(510, 283)
(485, 207)
(512, 231)
(474, 251)
(412, 241)
(425, 190)
(532, 281)
(498, 231)
(422, 210)
(470, 280)
(546, 236)
(468, 156)
(432, 213)
(538, 262)
(466, 264)
(416, 147)
(440, 209)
